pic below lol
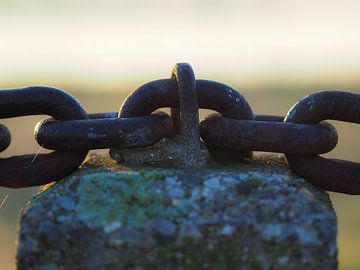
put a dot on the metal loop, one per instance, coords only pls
(249, 135)
(103, 131)
(329, 174)
(211, 95)
(5, 138)
(33, 170)
(164, 93)
(186, 117)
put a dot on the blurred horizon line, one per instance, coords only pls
(109, 83)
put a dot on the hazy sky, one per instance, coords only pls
(111, 42)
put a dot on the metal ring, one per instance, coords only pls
(5, 138)
(186, 116)
(104, 132)
(249, 135)
(329, 174)
(211, 95)
(33, 170)
(164, 93)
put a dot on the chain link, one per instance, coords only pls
(211, 95)
(279, 137)
(5, 138)
(233, 133)
(100, 132)
(164, 93)
(330, 174)
(34, 170)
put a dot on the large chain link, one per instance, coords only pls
(32, 170)
(236, 131)
(330, 174)
(100, 132)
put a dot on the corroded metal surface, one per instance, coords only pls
(329, 174)
(36, 100)
(168, 152)
(184, 148)
(186, 116)
(210, 95)
(280, 137)
(229, 137)
(104, 132)
(164, 93)
(38, 169)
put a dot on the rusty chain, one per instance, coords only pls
(26, 170)
(233, 132)
(330, 174)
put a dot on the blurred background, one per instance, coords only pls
(273, 51)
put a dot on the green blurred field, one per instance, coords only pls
(271, 101)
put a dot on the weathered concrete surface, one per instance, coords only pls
(256, 216)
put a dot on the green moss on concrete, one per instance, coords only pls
(123, 197)
(118, 213)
